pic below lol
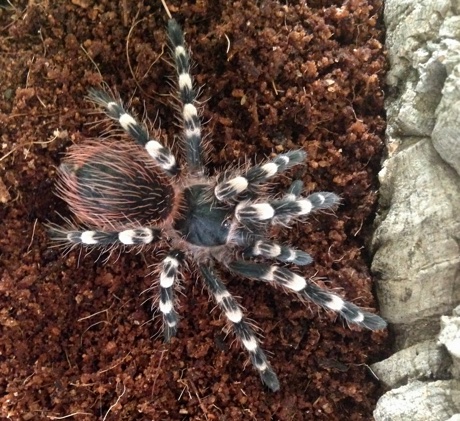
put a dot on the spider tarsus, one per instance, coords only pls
(270, 379)
(295, 190)
(355, 315)
(373, 322)
(175, 33)
(297, 257)
(323, 200)
(169, 332)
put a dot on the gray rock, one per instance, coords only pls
(424, 361)
(450, 338)
(416, 243)
(420, 401)
(446, 132)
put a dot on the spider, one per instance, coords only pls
(135, 194)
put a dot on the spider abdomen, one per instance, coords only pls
(115, 185)
(204, 221)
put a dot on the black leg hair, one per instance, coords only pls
(115, 110)
(285, 278)
(137, 236)
(282, 211)
(168, 277)
(230, 189)
(243, 330)
(191, 120)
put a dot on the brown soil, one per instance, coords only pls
(77, 339)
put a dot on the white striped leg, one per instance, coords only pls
(285, 278)
(258, 246)
(272, 250)
(230, 189)
(168, 277)
(115, 110)
(69, 235)
(187, 95)
(242, 329)
(280, 211)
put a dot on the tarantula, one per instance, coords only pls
(134, 194)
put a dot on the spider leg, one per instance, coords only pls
(168, 277)
(293, 194)
(257, 246)
(243, 330)
(272, 250)
(229, 189)
(72, 235)
(114, 109)
(187, 95)
(307, 289)
(295, 190)
(283, 210)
